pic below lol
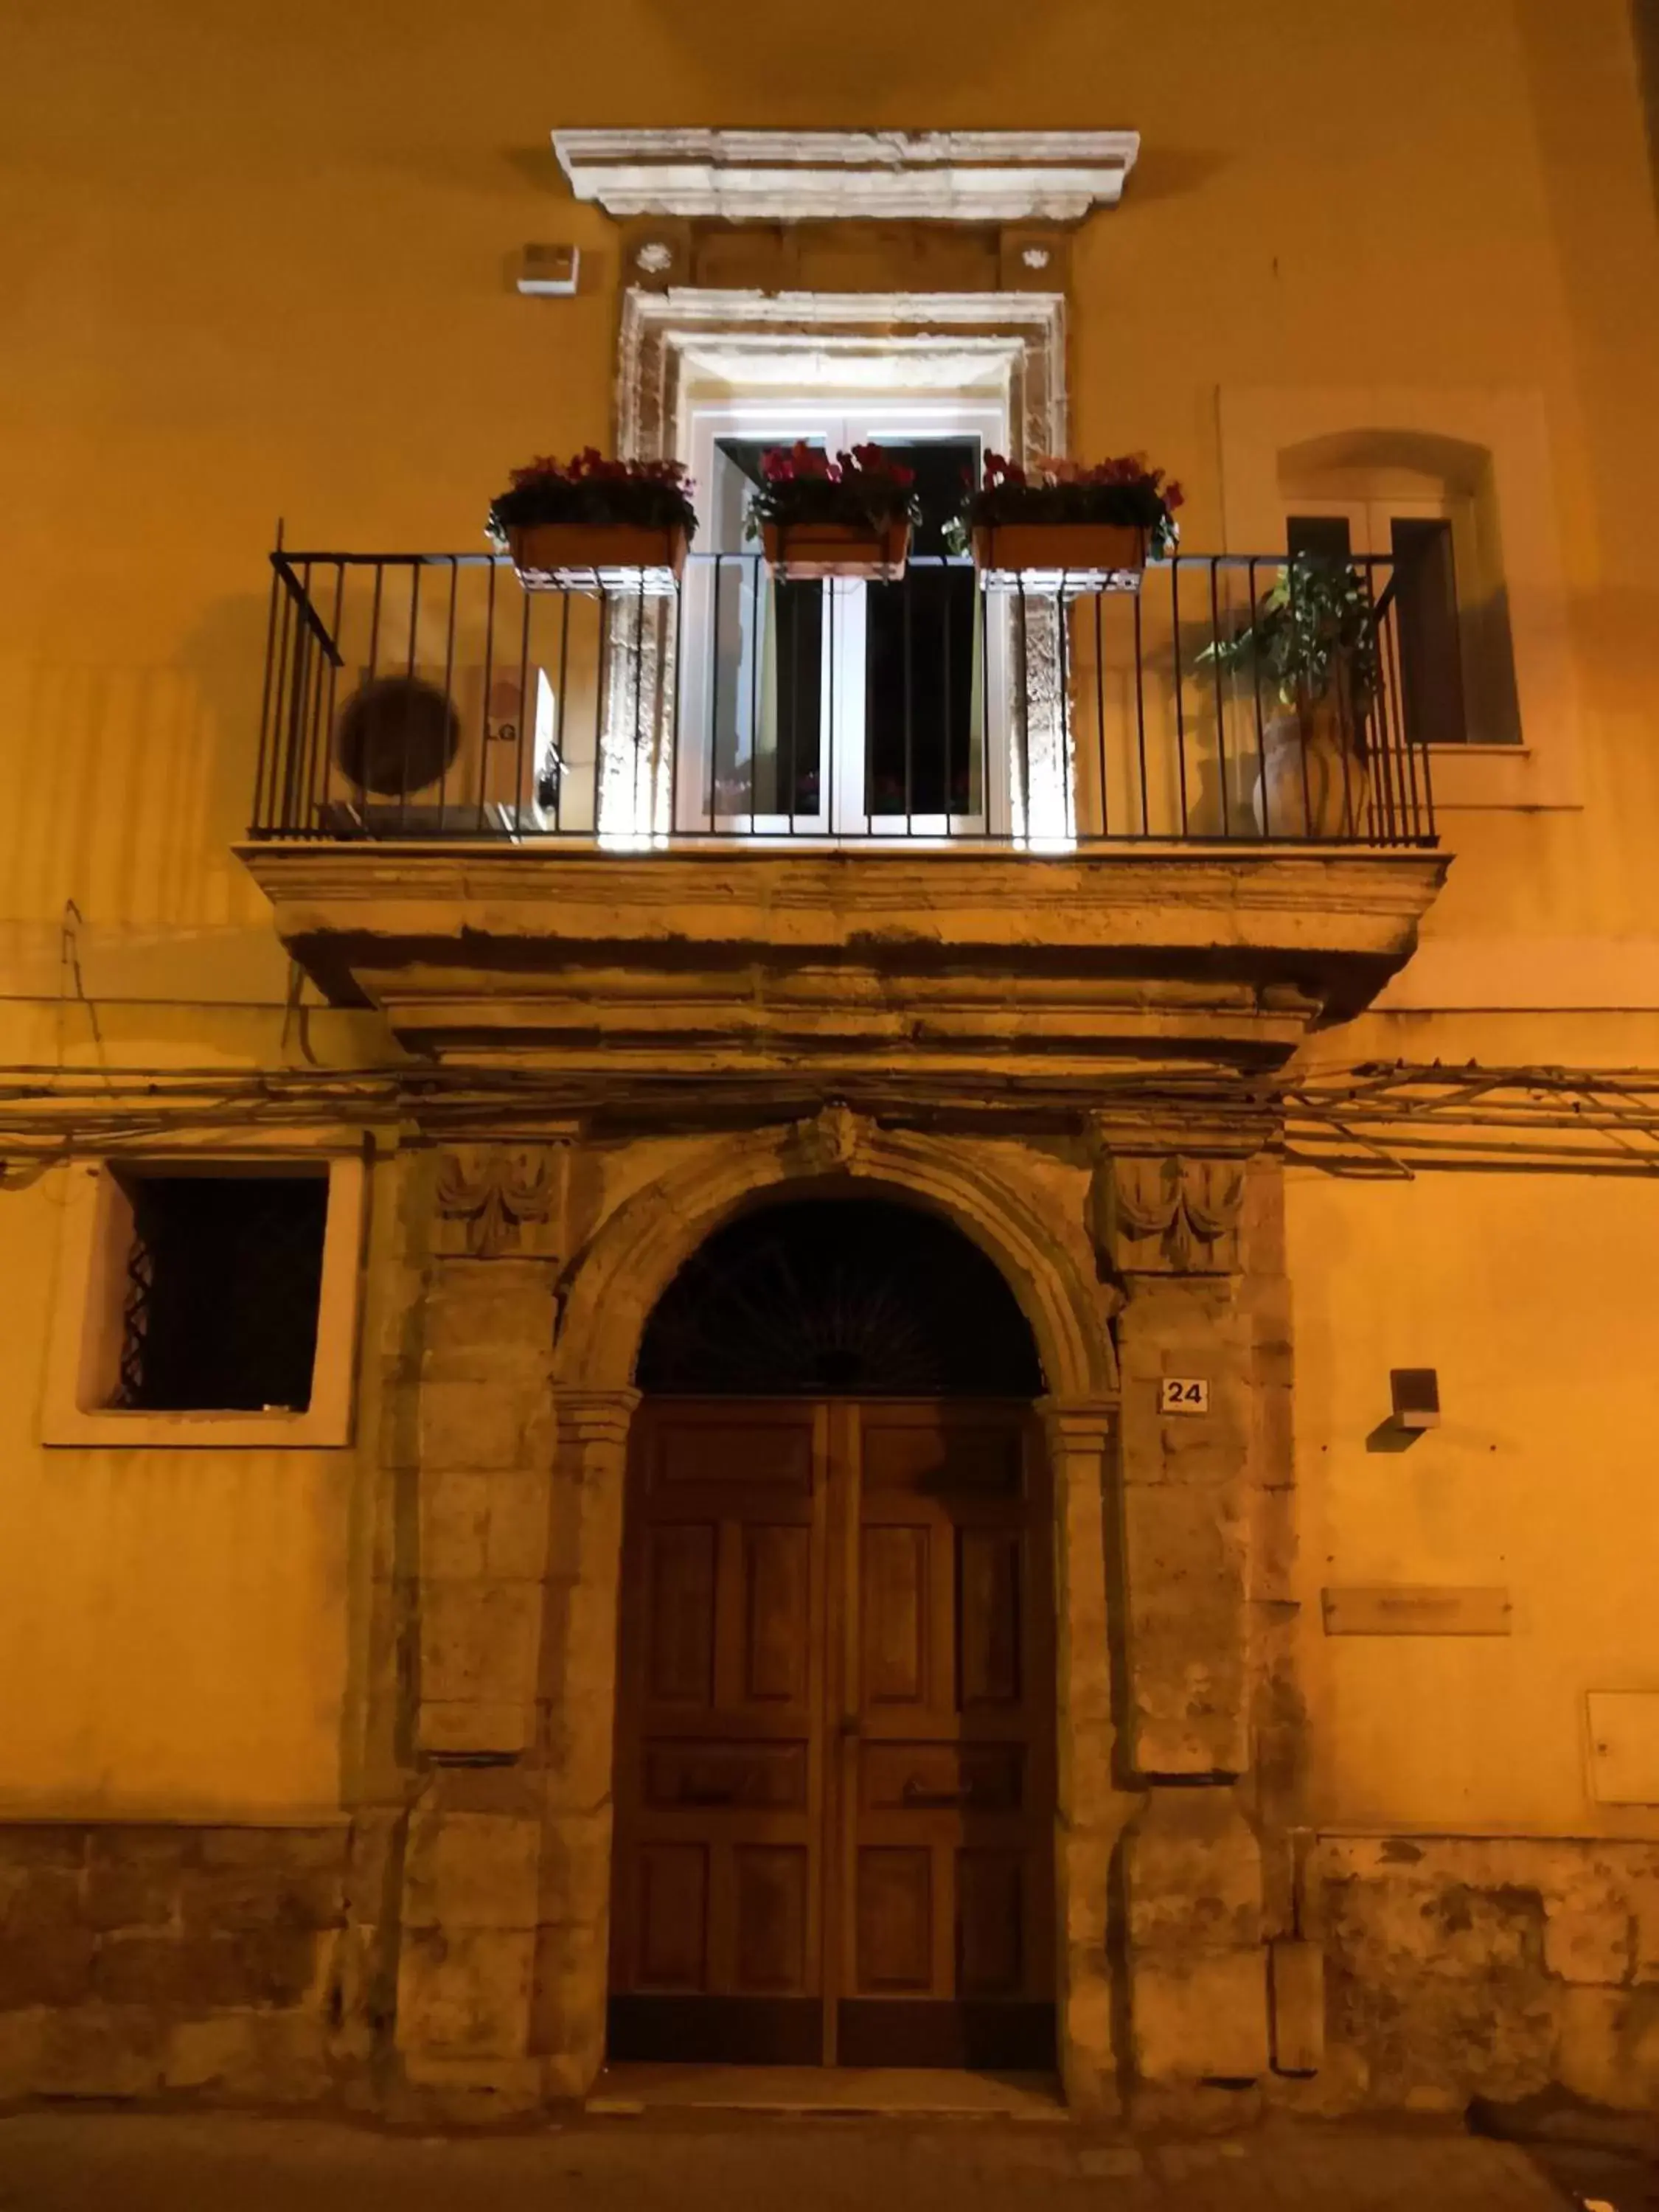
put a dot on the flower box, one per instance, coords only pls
(1115, 550)
(585, 556)
(806, 551)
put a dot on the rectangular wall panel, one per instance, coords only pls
(988, 1617)
(990, 1924)
(680, 1620)
(778, 1617)
(771, 1904)
(673, 1916)
(894, 1602)
(894, 1918)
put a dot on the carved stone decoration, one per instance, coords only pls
(497, 1201)
(1170, 1216)
(829, 1143)
(792, 176)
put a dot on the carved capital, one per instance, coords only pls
(830, 1142)
(498, 1201)
(1077, 1425)
(1170, 1214)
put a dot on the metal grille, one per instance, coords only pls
(223, 1278)
(824, 1298)
(427, 696)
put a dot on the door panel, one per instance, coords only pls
(948, 1820)
(834, 1772)
(719, 1788)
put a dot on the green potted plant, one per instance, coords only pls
(567, 522)
(848, 514)
(1061, 517)
(1311, 651)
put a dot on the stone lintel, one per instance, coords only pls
(949, 176)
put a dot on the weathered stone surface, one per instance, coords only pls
(1589, 1941)
(1607, 2045)
(220, 1898)
(468, 1870)
(1295, 1981)
(131, 1896)
(1201, 2017)
(22, 2041)
(42, 1843)
(45, 1966)
(468, 1725)
(465, 1995)
(254, 2057)
(1490, 1966)
(1185, 1562)
(478, 1642)
(575, 1869)
(35, 1900)
(100, 2050)
(1193, 1871)
(466, 1426)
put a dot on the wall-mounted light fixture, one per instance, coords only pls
(1416, 1395)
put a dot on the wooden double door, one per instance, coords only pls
(834, 1784)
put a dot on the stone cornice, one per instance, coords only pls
(768, 176)
(949, 969)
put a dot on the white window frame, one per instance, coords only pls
(1369, 519)
(84, 1345)
(1259, 424)
(839, 420)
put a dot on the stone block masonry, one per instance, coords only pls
(140, 1959)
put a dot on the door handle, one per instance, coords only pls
(708, 1797)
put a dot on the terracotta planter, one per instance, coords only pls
(1117, 549)
(578, 556)
(809, 550)
(1314, 779)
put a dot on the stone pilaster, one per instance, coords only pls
(471, 1859)
(1175, 1230)
(578, 1685)
(1079, 1434)
(485, 1444)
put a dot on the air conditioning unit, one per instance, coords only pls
(411, 755)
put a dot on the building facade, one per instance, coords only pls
(744, 1323)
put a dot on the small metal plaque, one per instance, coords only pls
(1415, 1609)
(1184, 1394)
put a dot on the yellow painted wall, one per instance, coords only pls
(1533, 1296)
(258, 265)
(172, 1623)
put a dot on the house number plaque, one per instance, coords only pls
(1184, 1394)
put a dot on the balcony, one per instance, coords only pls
(960, 834)
(428, 697)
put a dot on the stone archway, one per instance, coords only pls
(608, 1290)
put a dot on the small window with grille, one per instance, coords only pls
(222, 1278)
(208, 1299)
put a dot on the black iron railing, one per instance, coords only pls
(429, 696)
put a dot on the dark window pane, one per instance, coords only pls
(920, 639)
(1430, 643)
(1323, 536)
(223, 1282)
(791, 774)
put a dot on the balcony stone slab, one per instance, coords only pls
(951, 973)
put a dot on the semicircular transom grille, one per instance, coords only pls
(851, 1298)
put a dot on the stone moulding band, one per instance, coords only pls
(950, 176)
